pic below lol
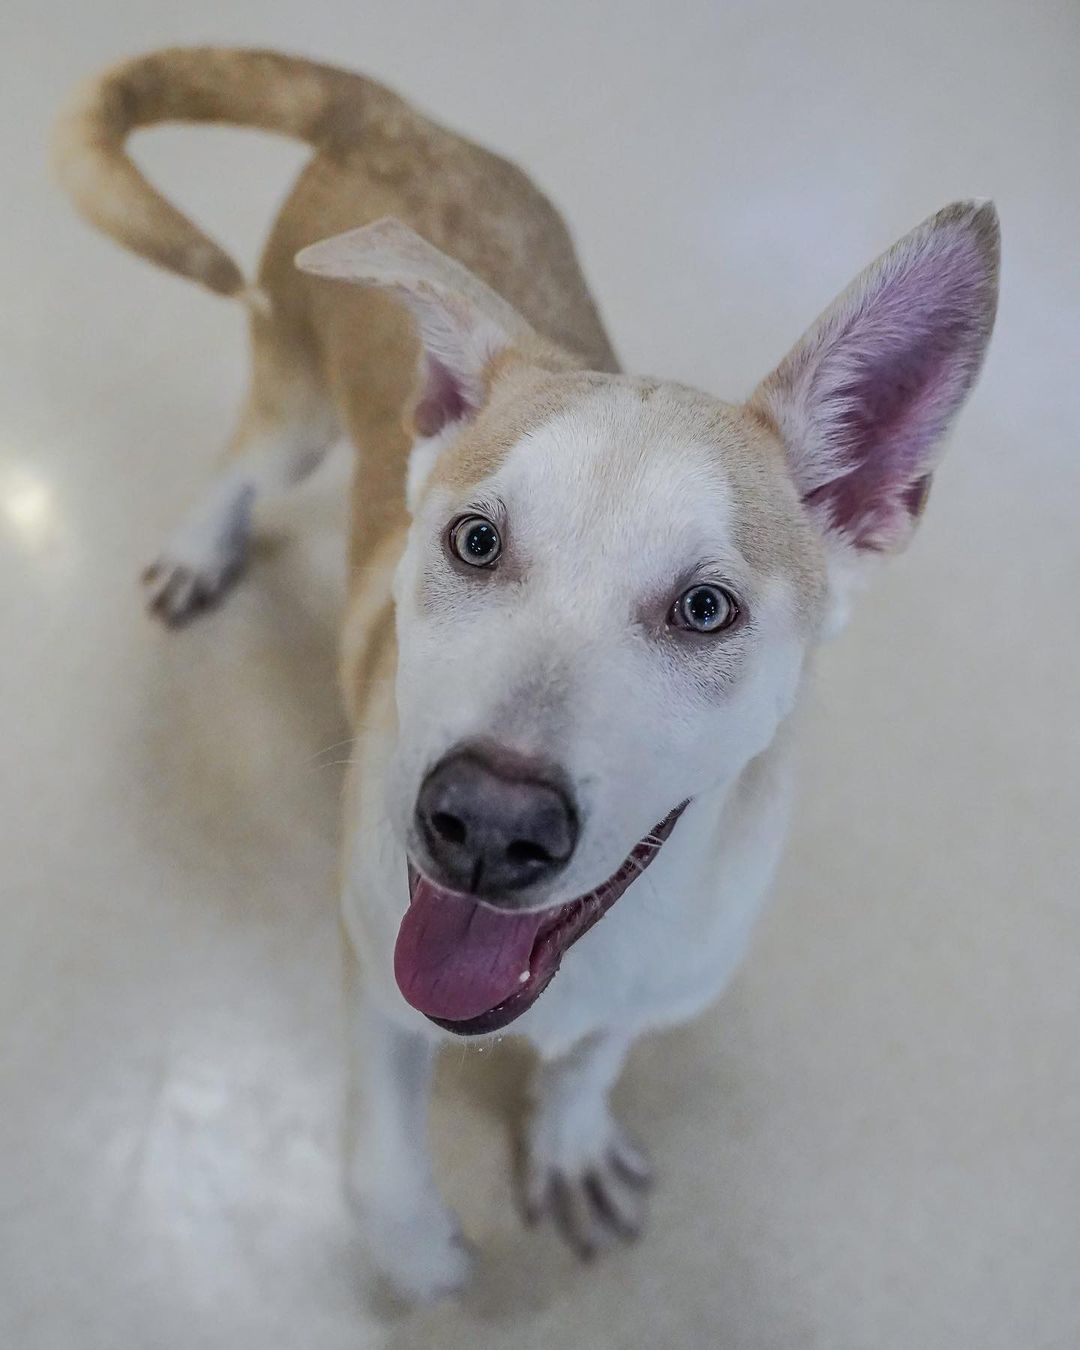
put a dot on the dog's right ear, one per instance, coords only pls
(462, 324)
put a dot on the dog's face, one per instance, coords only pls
(611, 585)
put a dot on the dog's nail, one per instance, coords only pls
(632, 1166)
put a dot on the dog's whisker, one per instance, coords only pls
(327, 749)
(654, 900)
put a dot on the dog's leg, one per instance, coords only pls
(287, 425)
(580, 1169)
(207, 553)
(412, 1238)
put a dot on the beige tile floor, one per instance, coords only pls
(873, 1142)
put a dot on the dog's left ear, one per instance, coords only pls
(864, 399)
(462, 323)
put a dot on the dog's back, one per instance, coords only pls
(326, 356)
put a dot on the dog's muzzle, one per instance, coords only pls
(472, 968)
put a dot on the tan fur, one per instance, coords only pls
(750, 457)
(420, 293)
(374, 156)
(524, 395)
(325, 346)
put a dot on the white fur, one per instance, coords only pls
(413, 1240)
(208, 550)
(580, 1167)
(564, 669)
(422, 460)
(607, 509)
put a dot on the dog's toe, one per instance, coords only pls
(436, 1275)
(178, 589)
(419, 1252)
(595, 1200)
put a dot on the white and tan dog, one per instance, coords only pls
(582, 603)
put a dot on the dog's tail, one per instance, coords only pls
(314, 103)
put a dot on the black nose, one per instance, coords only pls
(494, 823)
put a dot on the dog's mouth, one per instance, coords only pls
(472, 968)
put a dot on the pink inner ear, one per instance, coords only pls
(889, 380)
(441, 401)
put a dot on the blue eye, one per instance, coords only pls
(704, 609)
(475, 541)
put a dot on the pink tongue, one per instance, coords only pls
(456, 958)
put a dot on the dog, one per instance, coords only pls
(582, 604)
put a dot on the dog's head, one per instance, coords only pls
(611, 584)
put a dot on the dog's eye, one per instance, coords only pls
(475, 541)
(704, 609)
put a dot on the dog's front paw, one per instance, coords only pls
(594, 1188)
(190, 576)
(420, 1253)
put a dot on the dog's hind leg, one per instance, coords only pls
(579, 1168)
(286, 426)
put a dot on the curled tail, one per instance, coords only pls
(311, 102)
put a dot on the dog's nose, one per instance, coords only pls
(494, 823)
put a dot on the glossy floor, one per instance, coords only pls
(873, 1141)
